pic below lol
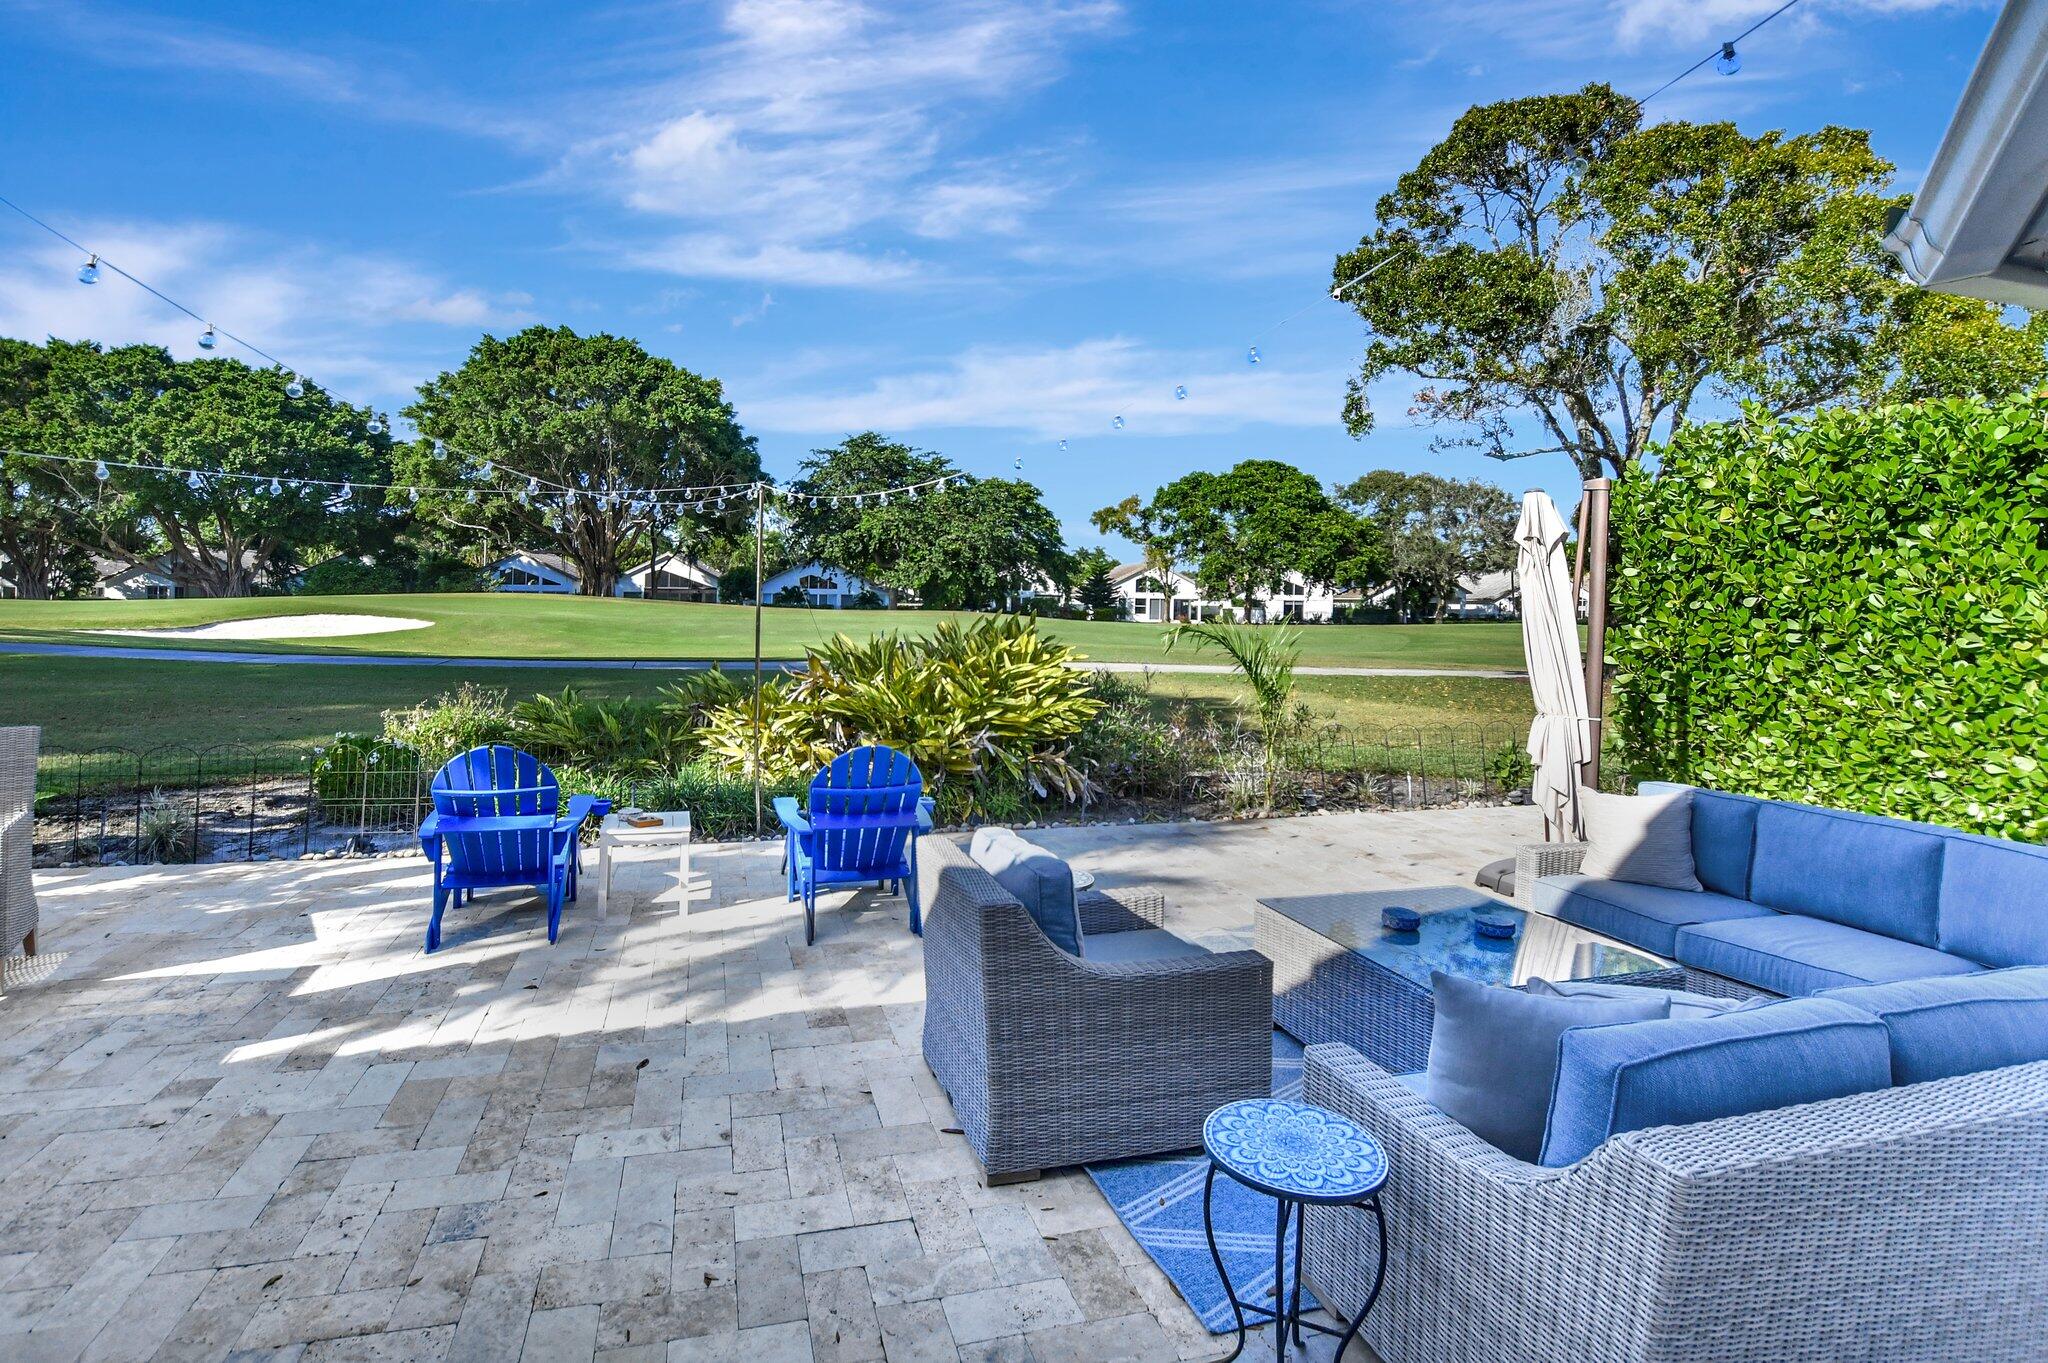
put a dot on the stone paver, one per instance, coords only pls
(248, 1117)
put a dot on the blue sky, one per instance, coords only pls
(979, 225)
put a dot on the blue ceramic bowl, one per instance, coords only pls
(1394, 918)
(1495, 924)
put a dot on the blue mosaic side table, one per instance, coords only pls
(1296, 1154)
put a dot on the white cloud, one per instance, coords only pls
(721, 256)
(349, 321)
(1057, 391)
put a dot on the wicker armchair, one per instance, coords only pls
(17, 839)
(1052, 1060)
(1905, 1223)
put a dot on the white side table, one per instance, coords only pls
(673, 833)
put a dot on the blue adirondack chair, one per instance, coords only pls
(860, 822)
(499, 820)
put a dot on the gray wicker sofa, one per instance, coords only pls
(1052, 1059)
(18, 745)
(1902, 1224)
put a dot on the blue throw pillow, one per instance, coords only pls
(1958, 1024)
(1682, 1003)
(1493, 1051)
(1670, 1073)
(1035, 878)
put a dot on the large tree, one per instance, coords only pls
(191, 450)
(1246, 529)
(1437, 531)
(1560, 277)
(976, 543)
(576, 444)
(43, 533)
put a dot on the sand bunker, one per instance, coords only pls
(282, 627)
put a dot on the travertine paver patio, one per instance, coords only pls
(247, 1117)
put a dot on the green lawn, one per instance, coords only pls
(514, 626)
(86, 703)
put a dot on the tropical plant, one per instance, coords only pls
(164, 831)
(1509, 767)
(629, 736)
(721, 803)
(1265, 657)
(453, 722)
(364, 769)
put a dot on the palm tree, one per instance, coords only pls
(1264, 655)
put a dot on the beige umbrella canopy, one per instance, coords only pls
(1562, 737)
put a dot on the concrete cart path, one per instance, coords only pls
(216, 655)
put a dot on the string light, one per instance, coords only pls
(195, 482)
(377, 425)
(1117, 422)
(99, 470)
(1729, 62)
(1252, 356)
(294, 388)
(1180, 392)
(276, 489)
(89, 273)
(207, 340)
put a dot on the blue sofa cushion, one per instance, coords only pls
(1959, 1024)
(1647, 916)
(1141, 944)
(1789, 954)
(1493, 1051)
(1723, 836)
(1035, 878)
(1994, 901)
(1876, 874)
(1669, 1073)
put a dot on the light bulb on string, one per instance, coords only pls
(489, 470)
(194, 481)
(1729, 62)
(1018, 462)
(1063, 447)
(1180, 392)
(89, 273)
(440, 450)
(412, 496)
(377, 425)
(99, 470)
(1252, 356)
(276, 488)
(295, 388)
(207, 340)
(1117, 422)
(532, 486)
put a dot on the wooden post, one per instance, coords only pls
(1594, 545)
(760, 514)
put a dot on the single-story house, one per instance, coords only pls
(1489, 596)
(1173, 598)
(827, 588)
(674, 578)
(535, 571)
(162, 578)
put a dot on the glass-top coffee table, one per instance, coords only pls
(1339, 975)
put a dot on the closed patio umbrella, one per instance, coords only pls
(1561, 738)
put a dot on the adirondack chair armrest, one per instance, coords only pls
(582, 807)
(787, 810)
(924, 814)
(430, 836)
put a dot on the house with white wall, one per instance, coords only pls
(537, 572)
(1173, 597)
(674, 578)
(534, 572)
(825, 588)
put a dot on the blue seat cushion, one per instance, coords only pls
(1880, 875)
(1677, 1071)
(1790, 954)
(1723, 836)
(1994, 901)
(1678, 1003)
(1035, 878)
(1142, 944)
(1493, 1051)
(1958, 1024)
(1648, 916)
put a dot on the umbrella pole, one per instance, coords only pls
(1593, 545)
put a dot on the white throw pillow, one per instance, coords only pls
(1642, 839)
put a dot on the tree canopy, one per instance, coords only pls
(546, 439)
(1437, 530)
(1560, 277)
(1246, 529)
(978, 543)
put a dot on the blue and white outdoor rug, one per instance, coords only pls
(1160, 1203)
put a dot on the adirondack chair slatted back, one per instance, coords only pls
(495, 781)
(864, 781)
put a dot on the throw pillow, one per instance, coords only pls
(1035, 878)
(1493, 1054)
(1683, 1003)
(1642, 839)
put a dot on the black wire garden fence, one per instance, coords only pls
(241, 802)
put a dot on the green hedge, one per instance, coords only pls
(1849, 609)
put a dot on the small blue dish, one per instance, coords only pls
(1496, 925)
(1394, 918)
